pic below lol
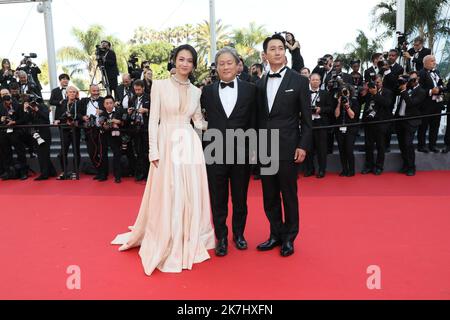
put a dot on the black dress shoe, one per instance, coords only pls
(411, 173)
(140, 178)
(351, 174)
(378, 172)
(222, 248)
(41, 178)
(320, 175)
(308, 174)
(240, 242)
(287, 249)
(269, 245)
(23, 177)
(343, 174)
(96, 177)
(403, 170)
(117, 180)
(423, 150)
(366, 171)
(102, 179)
(434, 150)
(62, 177)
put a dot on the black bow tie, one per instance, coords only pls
(314, 91)
(223, 85)
(276, 75)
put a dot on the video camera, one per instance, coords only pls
(213, 73)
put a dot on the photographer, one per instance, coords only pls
(38, 113)
(6, 74)
(392, 70)
(371, 73)
(27, 87)
(347, 112)
(137, 120)
(358, 81)
(434, 104)
(68, 115)
(32, 71)
(14, 88)
(125, 92)
(133, 69)
(321, 107)
(294, 48)
(12, 114)
(89, 112)
(324, 68)
(148, 81)
(416, 54)
(447, 131)
(377, 108)
(107, 58)
(412, 97)
(243, 71)
(58, 95)
(110, 121)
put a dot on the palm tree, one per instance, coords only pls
(362, 49)
(423, 17)
(247, 39)
(202, 38)
(83, 57)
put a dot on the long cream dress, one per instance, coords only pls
(173, 228)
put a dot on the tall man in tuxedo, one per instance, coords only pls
(230, 105)
(283, 103)
(416, 54)
(371, 73)
(434, 104)
(412, 97)
(59, 94)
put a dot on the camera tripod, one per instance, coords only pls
(104, 81)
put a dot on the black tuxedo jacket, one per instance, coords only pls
(383, 104)
(429, 106)
(121, 93)
(414, 102)
(419, 61)
(243, 115)
(391, 80)
(146, 105)
(370, 73)
(56, 97)
(326, 109)
(291, 107)
(82, 110)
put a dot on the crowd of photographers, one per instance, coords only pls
(400, 84)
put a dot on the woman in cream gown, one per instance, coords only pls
(173, 227)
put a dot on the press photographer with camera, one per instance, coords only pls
(324, 68)
(377, 108)
(125, 92)
(137, 123)
(347, 111)
(6, 74)
(416, 54)
(110, 121)
(412, 97)
(89, 111)
(358, 80)
(68, 115)
(12, 114)
(27, 87)
(371, 73)
(447, 131)
(32, 71)
(434, 104)
(321, 109)
(148, 81)
(38, 113)
(107, 58)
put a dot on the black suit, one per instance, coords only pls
(406, 130)
(110, 138)
(376, 134)
(370, 74)
(244, 76)
(112, 71)
(122, 92)
(222, 173)
(320, 136)
(417, 63)
(430, 106)
(292, 99)
(56, 97)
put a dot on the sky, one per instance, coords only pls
(321, 26)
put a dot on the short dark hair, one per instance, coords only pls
(413, 72)
(395, 51)
(139, 83)
(258, 66)
(305, 68)
(419, 39)
(109, 97)
(64, 76)
(189, 48)
(375, 56)
(338, 61)
(276, 36)
(14, 86)
(353, 62)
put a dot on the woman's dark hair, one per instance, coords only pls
(276, 36)
(292, 35)
(188, 48)
(5, 61)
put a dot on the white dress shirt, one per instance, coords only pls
(273, 84)
(92, 108)
(228, 97)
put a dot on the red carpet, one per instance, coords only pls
(398, 223)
